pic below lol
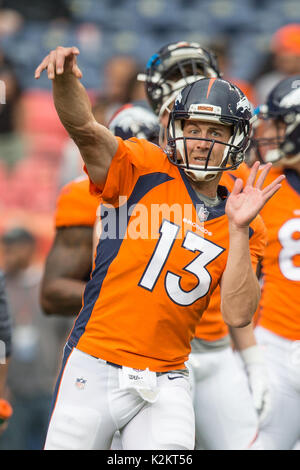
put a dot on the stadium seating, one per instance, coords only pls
(102, 29)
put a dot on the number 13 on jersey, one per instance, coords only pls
(208, 251)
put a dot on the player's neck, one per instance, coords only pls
(207, 188)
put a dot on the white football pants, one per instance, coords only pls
(90, 407)
(224, 411)
(281, 429)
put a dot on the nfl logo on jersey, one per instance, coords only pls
(202, 213)
(80, 383)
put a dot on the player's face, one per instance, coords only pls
(17, 256)
(198, 149)
(271, 132)
(274, 130)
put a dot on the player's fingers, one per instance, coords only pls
(238, 186)
(273, 184)
(252, 175)
(63, 54)
(263, 175)
(55, 61)
(76, 71)
(50, 70)
(271, 192)
(75, 50)
(74, 67)
(60, 60)
(51, 65)
(43, 65)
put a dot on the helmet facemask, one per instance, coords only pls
(234, 148)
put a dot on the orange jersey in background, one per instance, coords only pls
(280, 301)
(75, 205)
(212, 326)
(147, 295)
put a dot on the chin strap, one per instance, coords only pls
(197, 176)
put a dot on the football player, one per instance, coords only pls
(225, 418)
(278, 330)
(125, 357)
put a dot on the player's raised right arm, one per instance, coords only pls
(96, 143)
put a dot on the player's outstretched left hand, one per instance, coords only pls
(244, 204)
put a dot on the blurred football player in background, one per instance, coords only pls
(278, 330)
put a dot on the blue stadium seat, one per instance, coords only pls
(269, 20)
(155, 15)
(228, 15)
(24, 50)
(196, 22)
(130, 43)
(91, 10)
(287, 11)
(111, 15)
(247, 55)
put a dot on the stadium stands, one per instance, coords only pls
(102, 29)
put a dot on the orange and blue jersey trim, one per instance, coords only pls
(292, 179)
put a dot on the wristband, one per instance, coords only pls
(252, 355)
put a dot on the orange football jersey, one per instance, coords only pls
(280, 305)
(160, 255)
(212, 326)
(75, 205)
